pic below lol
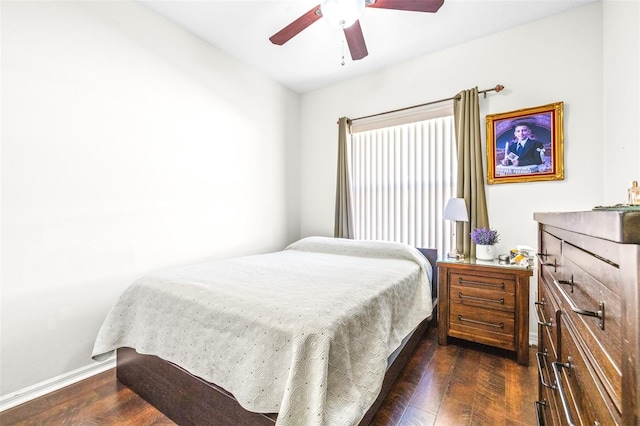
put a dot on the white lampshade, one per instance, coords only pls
(456, 209)
(342, 13)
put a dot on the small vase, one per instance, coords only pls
(485, 252)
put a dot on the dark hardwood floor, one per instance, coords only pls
(459, 384)
(462, 383)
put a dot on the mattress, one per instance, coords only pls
(305, 332)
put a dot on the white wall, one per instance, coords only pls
(621, 98)
(555, 59)
(128, 145)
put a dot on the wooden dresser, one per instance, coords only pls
(485, 302)
(588, 300)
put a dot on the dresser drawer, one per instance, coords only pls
(578, 387)
(547, 311)
(546, 381)
(488, 326)
(577, 290)
(551, 247)
(550, 411)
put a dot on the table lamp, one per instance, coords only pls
(455, 211)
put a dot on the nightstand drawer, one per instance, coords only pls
(498, 284)
(482, 297)
(481, 325)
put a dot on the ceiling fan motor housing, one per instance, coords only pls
(342, 13)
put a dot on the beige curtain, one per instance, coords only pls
(343, 225)
(466, 113)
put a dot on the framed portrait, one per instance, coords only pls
(525, 145)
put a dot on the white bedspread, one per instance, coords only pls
(305, 332)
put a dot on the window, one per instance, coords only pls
(402, 175)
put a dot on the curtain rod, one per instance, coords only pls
(498, 88)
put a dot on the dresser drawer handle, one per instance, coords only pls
(540, 406)
(482, 299)
(501, 325)
(560, 388)
(461, 281)
(568, 282)
(539, 356)
(543, 263)
(598, 314)
(538, 312)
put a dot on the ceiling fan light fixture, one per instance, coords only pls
(342, 13)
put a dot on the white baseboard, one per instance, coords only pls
(533, 337)
(39, 389)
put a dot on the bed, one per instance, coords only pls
(316, 333)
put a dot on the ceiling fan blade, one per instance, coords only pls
(410, 5)
(294, 28)
(355, 41)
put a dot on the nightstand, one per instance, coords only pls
(485, 302)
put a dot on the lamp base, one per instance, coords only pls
(455, 254)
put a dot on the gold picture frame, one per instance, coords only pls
(538, 158)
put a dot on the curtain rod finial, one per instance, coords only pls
(499, 88)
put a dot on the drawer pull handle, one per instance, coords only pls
(539, 356)
(540, 405)
(560, 388)
(490, 324)
(567, 282)
(543, 263)
(461, 281)
(482, 299)
(598, 314)
(538, 315)
(545, 254)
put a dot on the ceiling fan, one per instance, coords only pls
(345, 14)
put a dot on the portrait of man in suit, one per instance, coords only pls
(524, 149)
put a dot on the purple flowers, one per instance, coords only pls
(485, 236)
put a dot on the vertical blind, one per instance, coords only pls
(401, 178)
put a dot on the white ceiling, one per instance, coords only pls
(312, 59)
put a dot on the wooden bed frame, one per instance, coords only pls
(189, 400)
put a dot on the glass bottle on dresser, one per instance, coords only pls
(634, 194)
